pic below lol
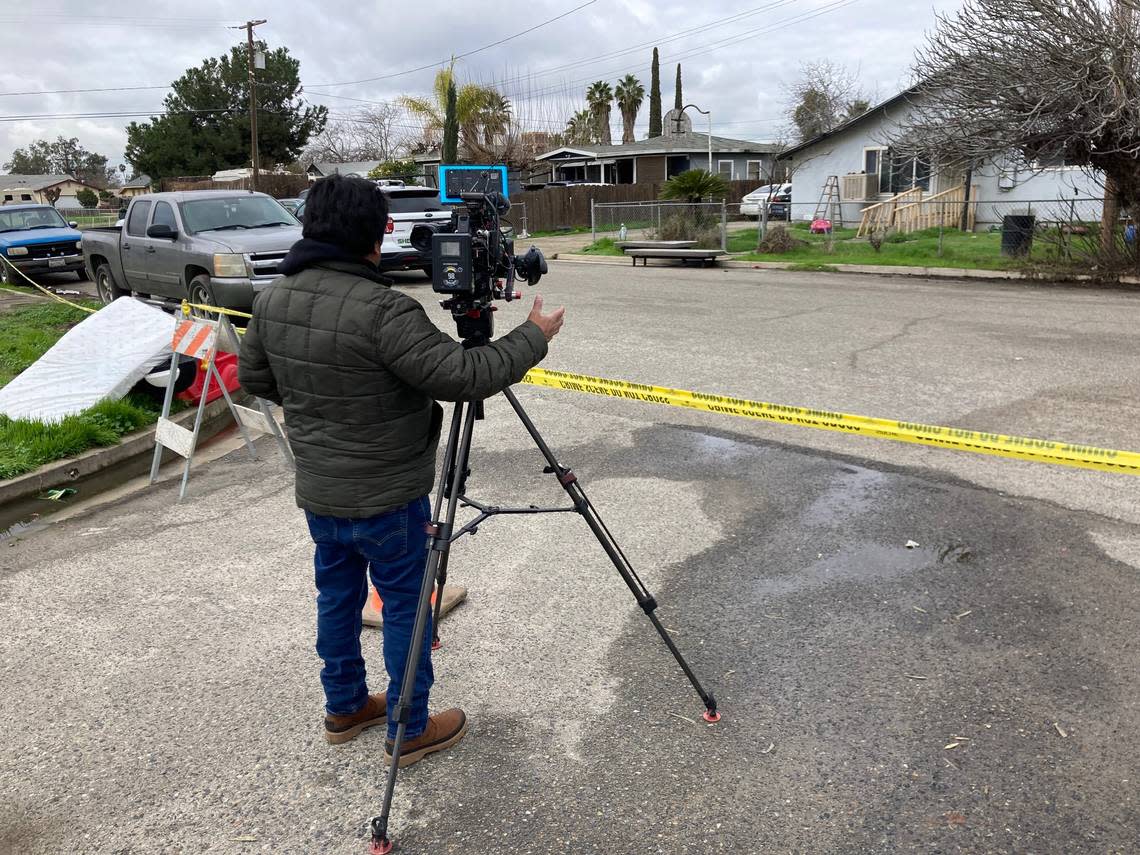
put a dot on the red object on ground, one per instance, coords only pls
(378, 847)
(227, 365)
(711, 718)
(820, 226)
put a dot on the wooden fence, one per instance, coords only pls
(554, 208)
(913, 211)
(278, 186)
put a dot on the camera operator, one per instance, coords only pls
(358, 368)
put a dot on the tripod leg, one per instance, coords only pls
(447, 485)
(440, 544)
(569, 482)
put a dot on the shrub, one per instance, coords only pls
(779, 240)
(87, 198)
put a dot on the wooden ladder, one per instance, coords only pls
(829, 202)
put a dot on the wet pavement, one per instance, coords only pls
(972, 692)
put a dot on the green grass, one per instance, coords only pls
(918, 249)
(26, 333)
(26, 444)
(604, 246)
(576, 230)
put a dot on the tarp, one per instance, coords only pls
(102, 357)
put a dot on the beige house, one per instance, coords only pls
(30, 188)
(135, 187)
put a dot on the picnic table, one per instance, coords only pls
(655, 244)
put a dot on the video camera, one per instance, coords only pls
(473, 259)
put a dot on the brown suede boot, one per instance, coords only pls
(342, 728)
(443, 730)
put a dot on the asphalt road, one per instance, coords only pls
(974, 693)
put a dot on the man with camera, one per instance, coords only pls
(358, 368)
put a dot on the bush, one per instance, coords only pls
(87, 198)
(779, 240)
(695, 225)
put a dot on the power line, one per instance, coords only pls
(462, 55)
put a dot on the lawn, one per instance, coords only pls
(918, 249)
(971, 251)
(26, 333)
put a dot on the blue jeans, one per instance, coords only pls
(392, 548)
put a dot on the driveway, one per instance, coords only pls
(972, 692)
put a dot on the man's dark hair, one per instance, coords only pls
(348, 212)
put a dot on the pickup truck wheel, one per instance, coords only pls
(105, 285)
(202, 294)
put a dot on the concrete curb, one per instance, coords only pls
(890, 270)
(63, 472)
(875, 269)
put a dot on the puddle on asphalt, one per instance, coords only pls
(853, 491)
(861, 562)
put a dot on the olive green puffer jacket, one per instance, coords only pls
(358, 368)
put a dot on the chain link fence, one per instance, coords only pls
(703, 222)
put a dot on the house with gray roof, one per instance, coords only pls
(359, 168)
(657, 159)
(31, 188)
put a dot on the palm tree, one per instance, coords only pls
(630, 95)
(470, 102)
(580, 128)
(495, 117)
(695, 185)
(599, 98)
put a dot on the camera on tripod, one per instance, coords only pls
(473, 258)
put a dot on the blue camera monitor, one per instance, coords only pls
(454, 181)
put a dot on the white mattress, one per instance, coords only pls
(102, 357)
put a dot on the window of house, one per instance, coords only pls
(872, 159)
(25, 197)
(724, 167)
(898, 173)
(755, 170)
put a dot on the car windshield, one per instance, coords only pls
(23, 219)
(234, 212)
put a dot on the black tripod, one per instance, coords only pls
(443, 534)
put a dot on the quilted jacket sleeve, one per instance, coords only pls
(254, 373)
(424, 357)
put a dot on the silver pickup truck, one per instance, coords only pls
(217, 247)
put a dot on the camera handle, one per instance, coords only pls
(443, 533)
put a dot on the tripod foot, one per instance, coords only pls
(380, 847)
(436, 644)
(711, 716)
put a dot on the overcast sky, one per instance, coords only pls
(88, 44)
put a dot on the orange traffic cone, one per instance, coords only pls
(453, 595)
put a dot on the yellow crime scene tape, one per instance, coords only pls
(39, 287)
(955, 439)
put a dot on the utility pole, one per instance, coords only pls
(256, 158)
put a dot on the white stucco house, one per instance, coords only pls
(859, 154)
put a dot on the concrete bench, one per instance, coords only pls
(655, 244)
(704, 256)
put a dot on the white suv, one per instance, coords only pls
(750, 204)
(408, 206)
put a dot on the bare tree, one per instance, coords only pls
(1033, 79)
(825, 95)
(374, 133)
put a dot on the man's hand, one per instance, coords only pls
(549, 324)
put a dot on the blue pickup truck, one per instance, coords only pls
(36, 239)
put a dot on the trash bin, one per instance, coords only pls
(1017, 234)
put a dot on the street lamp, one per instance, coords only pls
(707, 113)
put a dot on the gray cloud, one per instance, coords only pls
(65, 45)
